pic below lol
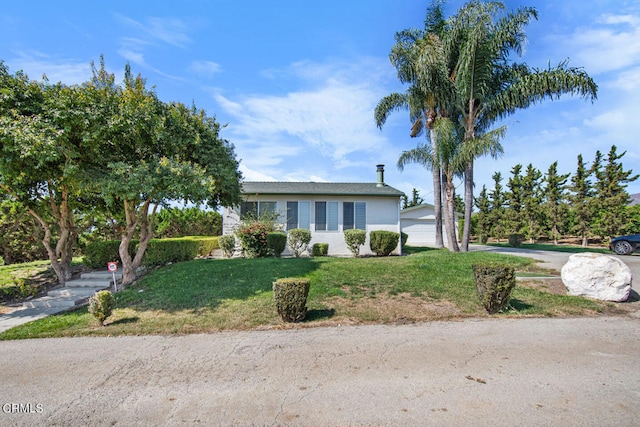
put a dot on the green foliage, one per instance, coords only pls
(252, 234)
(515, 240)
(277, 242)
(290, 295)
(175, 222)
(382, 242)
(416, 200)
(19, 289)
(227, 243)
(555, 201)
(611, 195)
(165, 251)
(101, 305)
(20, 235)
(298, 239)
(494, 283)
(404, 237)
(355, 238)
(98, 254)
(320, 249)
(159, 251)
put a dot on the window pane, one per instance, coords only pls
(248, 208)
(292, 215)
(347, 215)
(321, 216)
(267, 208)
(304, 215)
(332, 214)
(361, 215)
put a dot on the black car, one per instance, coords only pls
(624, 245)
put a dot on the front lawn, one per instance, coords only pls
(213, 295)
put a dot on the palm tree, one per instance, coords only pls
(420, 60)
(490, 87)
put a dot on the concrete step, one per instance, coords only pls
(49, 302)
(101, 275)
(79, 293)
(89, 283)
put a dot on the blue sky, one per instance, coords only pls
(296, 82)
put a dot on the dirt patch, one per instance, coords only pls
(552, 285)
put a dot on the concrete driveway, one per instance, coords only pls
(570, 372)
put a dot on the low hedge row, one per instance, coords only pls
(159, 251)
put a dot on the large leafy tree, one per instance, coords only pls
(42, 151)
(157, 153)
(489, 84)
(532, 198)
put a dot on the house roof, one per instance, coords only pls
(319, 188)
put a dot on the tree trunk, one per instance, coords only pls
(449, 209)
(130, 265)
(585, 240)
(468, 205)
(60, 256)
(437, 192)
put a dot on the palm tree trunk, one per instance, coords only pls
(449, 213)
(468, 205)
(437, 192)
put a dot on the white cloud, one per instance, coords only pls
(171, 31)
(613, 43)
(206, 68)
(65, 70)
(330, 121)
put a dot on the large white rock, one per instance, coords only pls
(597, 276)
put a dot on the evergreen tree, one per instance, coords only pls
(532, 198)
(514, 202)
(581, 199)
(611, 184)
(483, 219)
(555, 196)
(416, 200)
(497, 214)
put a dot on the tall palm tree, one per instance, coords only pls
(420, 61)
(491, 87)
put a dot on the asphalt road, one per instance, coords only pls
(570, 372)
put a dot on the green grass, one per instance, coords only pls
(555, 248)
(8, 273)
(213, 295)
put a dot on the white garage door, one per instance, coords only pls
(420, 232)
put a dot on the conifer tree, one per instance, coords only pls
(555, 197)
(612, 197)
(513, 200)
(532, 198)
(581, 199)
(497, 215)
(483, 224)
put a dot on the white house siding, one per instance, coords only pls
(419, 223)
(382, 213)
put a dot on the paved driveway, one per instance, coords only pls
(569, 372)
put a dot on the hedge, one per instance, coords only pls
(159, 251)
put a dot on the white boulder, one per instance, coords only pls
(597, 276)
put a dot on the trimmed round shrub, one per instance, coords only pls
(298, 240)
(355, 238)
(494, 283)
(277, 242)
(382, 242)
(320, 249)
(290, 295)
(228, 244)
(101, 305)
